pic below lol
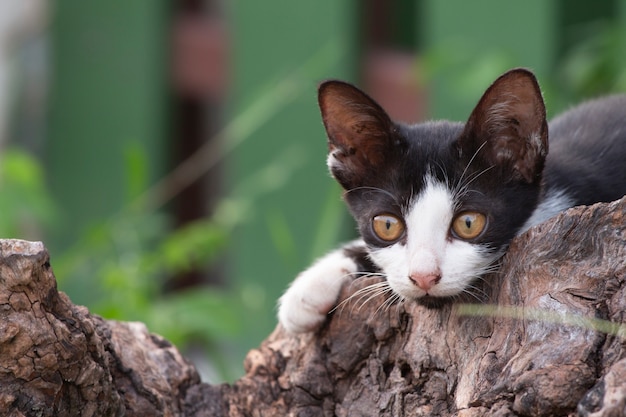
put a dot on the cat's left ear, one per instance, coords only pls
(362, 139)
(508, 127)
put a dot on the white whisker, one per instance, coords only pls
(385, 306)
(476, 292)
(461, 178)
(384, 303)
(373, 294)
(462, 186)
(463, 189)
(363, 292)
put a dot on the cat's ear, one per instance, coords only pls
(508, 127)
(361, 136)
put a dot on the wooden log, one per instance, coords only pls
(56, 359)
(549, 341)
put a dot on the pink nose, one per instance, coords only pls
(425, 281)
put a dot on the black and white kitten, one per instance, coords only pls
(437, 203)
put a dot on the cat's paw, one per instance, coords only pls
(314, 293)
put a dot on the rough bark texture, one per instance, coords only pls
(58, 360)
(550, 342)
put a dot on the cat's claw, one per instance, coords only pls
(314, 293)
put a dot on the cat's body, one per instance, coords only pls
(587, 159)
(438, 202)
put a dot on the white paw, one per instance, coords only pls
(314, 293)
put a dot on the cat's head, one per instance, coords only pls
(438, 202)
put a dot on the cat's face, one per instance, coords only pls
(438, 202)
(420, 248)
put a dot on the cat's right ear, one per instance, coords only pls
(361, 137)
(508, 126)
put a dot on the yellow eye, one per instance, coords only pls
(387, 227)
(469, 225)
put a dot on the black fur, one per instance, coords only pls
(587, 156)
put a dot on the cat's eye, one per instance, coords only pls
(469, 225)
(387, 227)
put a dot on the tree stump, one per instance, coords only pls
(550, 341)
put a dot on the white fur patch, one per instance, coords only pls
(314, 293)
(430, 251)
(331, 161)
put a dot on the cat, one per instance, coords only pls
(437, 203)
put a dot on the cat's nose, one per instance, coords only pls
(425, 281)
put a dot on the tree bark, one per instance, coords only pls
(550, 341)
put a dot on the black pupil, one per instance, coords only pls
(468, 222)
(388, 224)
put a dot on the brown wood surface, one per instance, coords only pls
(549, 342)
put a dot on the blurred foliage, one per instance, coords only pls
(25, 204)
(122, 264)
(466, 70)
(596, 64)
